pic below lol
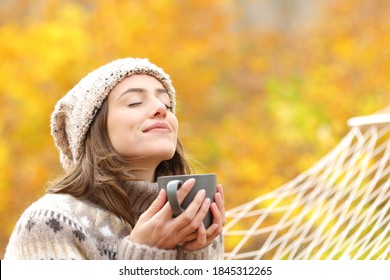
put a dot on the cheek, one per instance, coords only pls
(175, 126)
(119, 128)
(174, 123)
(112, 126)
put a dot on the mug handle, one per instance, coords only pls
(172, 188)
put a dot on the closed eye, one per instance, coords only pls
(134, 104)
(170, 108)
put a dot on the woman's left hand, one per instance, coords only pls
(204, 237)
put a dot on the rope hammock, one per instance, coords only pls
(338, 209)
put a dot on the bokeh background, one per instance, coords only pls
(264, 87)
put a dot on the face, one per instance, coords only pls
(140, 123)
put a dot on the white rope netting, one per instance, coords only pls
(338, 209)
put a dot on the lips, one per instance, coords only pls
(163, 127)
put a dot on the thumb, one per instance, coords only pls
(156, 205)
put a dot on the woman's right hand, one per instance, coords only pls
(157, 228)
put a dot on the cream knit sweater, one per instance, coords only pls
(60, 226)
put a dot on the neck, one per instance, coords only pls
(145, 173)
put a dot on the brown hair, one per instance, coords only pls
(100, 173)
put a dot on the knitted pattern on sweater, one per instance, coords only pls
(60, 226)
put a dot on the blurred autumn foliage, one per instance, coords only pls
(257, 104)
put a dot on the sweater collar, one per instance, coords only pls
(141, 195)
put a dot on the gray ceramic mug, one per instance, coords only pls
(171, 184)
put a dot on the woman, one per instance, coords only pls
(116, 132)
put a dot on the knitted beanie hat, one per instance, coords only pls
(74, 113)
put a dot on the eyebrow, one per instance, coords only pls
(142, 90)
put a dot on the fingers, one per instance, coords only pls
(196, 209)
(218, 210)
(193, 216)
(156, 206)
(206, 236)
(182, 192)
(187, 222)
(185, 189)
(216, 228)
(219, 200)
(220, 191)
(202, 238)
(156, 227)
(188, 227)
(191, 237)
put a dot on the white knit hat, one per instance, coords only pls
(74, 113)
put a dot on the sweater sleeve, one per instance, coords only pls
(129, 250)
(211, 252)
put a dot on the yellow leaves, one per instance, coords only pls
(344, 47)
(4, 174)
(35, 53)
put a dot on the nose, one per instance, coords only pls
(159, 110)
